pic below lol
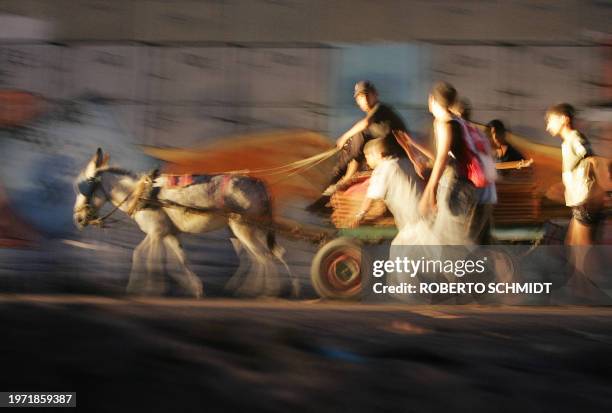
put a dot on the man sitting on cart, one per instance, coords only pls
(380, 121)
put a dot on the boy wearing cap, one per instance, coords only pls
(380, 121)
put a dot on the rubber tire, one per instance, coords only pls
(320, 269)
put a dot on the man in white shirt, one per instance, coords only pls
(393, 180)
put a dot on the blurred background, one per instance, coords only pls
(75, 75)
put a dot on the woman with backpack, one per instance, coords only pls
(449, 199)
(480, 231)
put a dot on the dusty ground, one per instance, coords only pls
(177, 355)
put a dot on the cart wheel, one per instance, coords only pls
(336, 270)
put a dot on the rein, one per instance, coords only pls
(100, 221)
(291, 169)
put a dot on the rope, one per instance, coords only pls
(328, 154)
(302, 164)
(292, 168)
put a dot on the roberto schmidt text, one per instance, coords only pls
(463, 288)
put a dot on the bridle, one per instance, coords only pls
(87, 188)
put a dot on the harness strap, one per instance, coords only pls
(100, 221)
(220, 201)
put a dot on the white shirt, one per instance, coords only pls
(395, 181)
(575, 174)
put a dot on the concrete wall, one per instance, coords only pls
(185, 95)
(320, 20)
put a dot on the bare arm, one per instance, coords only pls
(406, 143)
(428, 201)
(402, 137)
(404, 140)
(444, 144)
(365, 206)
(358, 127)
(350, 171)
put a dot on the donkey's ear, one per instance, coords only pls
(105, 160)
(99, 157)
(94, 163)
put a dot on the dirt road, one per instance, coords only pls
(177, 355)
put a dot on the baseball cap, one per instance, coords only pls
(364, 86)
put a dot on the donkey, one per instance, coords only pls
(208, 203)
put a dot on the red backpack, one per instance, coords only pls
(480, 166)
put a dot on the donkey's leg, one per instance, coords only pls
(279, 253)
(156, 224)
(144, 277)
(136, 283)
(156, 265)
(243, 266)
(184, 276)
(263, 278)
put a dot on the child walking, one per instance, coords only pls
(577, 174)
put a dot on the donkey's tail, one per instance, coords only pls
(271, 241)
(279, 253)
(275, 249)
(273, 246)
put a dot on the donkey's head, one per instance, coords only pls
(90, 195)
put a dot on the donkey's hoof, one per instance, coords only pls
(295, 290)
(198, 293)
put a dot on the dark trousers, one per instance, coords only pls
(480, 226)
(353, 149)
